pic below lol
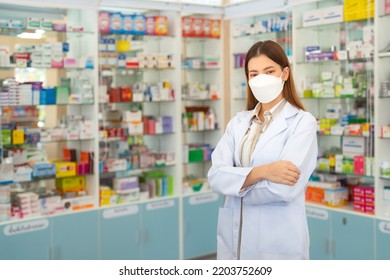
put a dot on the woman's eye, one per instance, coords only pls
(252, 75)
(270, 72)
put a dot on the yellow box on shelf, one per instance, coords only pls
(123, 46)
(65, 169)
(358, 9)
(70, 184)
(17, 137)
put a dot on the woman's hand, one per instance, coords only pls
(282, 172)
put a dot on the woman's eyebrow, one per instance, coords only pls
(267, 68)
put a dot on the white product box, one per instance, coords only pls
(86, 129)
(128, 195)
(134, 128)
(73, 133)
(132, 116)
(332, 14)
(353, 146)
(7, 172)
(313, 17)
(116, 165)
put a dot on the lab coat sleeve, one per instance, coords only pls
(301, 149)
(224, 177)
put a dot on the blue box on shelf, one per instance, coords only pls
(47, 96)
(44, 170)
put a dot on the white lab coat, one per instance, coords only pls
(274, 219)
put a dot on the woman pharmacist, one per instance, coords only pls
(262, 164)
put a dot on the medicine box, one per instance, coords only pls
(43, 170)
(313, 17)
(126, 183)
(332, 14)
(65, 169)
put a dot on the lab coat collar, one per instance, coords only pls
(278, 125)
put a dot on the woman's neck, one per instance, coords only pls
(270, 105)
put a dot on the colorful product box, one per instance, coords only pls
(116, 23)
(198, 27)
(114, 165)
(43, 170)
(150, 25)
(104, 22)
(336, 197)
(126, 183)
(161, 24)
(139, 22)
(358, 163)
(5, 137)
(17, 137)
(215, 28)
(207, 27)
(65, 169)
(128, 24)
(387, 7)
(187, 27)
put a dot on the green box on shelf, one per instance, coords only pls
(195, 155)
(5, 137)
(62, 94)
(65, 82)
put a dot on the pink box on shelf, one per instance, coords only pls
(369, 192)
(82, 168)
(370, 209)
(358, 191)
(358, 164)
(359, 207)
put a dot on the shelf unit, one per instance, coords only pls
(48, 116)
(336, 36)
(382, 103)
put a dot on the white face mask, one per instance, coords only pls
(265, 87)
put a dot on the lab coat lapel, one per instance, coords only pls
(243, 125)
(277, 126)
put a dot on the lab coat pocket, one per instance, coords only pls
(225, 234)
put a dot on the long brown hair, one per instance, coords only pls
(274, 52)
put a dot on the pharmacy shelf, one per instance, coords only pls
(257, 35)
(124, 138)
(15, 31)
(137, 102)
(343, 135)
(48, 105)
(344, 209)
(200, 99)
(137, 36)
(384, 54)
(203, 130)
(330, 61)
(7, 68)
(134, 171)
(50, 141)
(335, 97)
(320, 171)
(140, 201)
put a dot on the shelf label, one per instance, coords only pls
(203, 198)
(160, 204)
(26, 227)
(317, 213)
(384, 227)
(120, 211)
